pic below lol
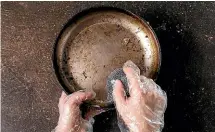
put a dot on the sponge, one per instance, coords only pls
(117, 74)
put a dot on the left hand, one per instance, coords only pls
(70, 119)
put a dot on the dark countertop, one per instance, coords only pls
(30, 90)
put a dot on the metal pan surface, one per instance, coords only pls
(94, 44)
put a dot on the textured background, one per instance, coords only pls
(30, 90)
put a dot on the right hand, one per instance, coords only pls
(143, 110)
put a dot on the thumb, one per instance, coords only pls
(118, 94)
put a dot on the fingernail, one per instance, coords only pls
(81, 90)
(91, 95)
(94, 94)
(114, 82)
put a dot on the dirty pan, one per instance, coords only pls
(97, 41)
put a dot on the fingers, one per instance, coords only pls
(77, 98)
(118, 93)
(73, 100)
(134, 88)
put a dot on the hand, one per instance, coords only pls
(143, 110)
(70, 119)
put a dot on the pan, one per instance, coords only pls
(97, 41)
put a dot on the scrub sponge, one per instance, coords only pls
(117, 74)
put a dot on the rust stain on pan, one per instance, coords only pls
(99, 42)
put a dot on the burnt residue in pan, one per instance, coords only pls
(97, 51)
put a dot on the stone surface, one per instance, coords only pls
(30, 90)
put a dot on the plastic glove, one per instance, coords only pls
(144, 110)
(70, 119)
